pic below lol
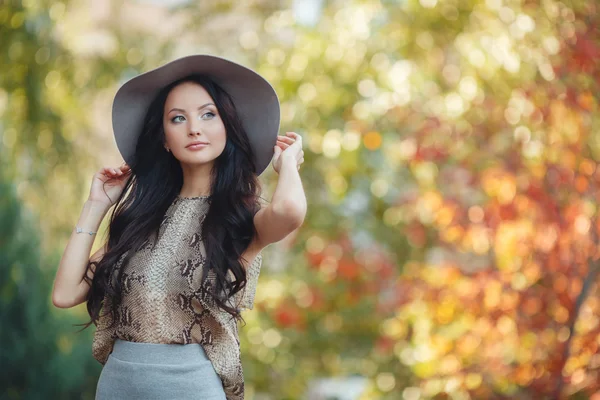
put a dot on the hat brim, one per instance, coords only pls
(254, 98)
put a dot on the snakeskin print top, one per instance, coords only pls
(162, 303)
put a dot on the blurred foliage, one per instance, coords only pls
(451, 245)
(40, 357)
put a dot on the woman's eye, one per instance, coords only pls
(175, 119)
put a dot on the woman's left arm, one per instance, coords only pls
(289, 200)
(288, 206)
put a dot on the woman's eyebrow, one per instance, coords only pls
(199, 108)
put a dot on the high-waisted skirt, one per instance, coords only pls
(151, 371)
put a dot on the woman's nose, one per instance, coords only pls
(194, 127)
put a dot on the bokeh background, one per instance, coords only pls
(450, 249)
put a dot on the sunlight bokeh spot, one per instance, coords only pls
(372, 140)
(386, 381)
(307, 92)
(134, 56)
(276, 57)
(271, 338)
(249, 40)
(392, 216)
(351, 140)
(331, 145)
(379, 187)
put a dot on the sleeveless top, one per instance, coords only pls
(162, 301)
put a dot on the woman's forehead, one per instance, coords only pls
(188, 93)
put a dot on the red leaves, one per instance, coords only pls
(287, 315)
(348, 269)
(585, 54)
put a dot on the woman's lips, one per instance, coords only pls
(197, 146)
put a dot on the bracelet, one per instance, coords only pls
(79, 230)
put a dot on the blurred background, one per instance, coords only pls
(450, 249)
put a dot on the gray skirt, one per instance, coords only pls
(147, 371)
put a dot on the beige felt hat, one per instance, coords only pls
(253, 96)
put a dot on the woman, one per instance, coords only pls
(184, 249)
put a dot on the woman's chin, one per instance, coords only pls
(196, 162)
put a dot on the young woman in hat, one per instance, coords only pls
(185, 238)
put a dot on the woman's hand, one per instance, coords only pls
(288, 149)
(108, 183)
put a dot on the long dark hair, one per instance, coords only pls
(155, 182)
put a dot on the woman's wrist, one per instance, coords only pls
(288, 163)
(96, 207)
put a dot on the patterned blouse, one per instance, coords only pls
(162, 303)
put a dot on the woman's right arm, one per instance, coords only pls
(70, 289)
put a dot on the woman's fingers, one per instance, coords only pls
(290, 138)
(283, 145)
(285, 139)
(116, 172)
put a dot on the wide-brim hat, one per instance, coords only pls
(253, 96)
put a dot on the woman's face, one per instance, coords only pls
(191, 115)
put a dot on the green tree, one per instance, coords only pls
(42, 358)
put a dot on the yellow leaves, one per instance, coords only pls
(506, 325)
(532, 271)
(426, 369)
(476, 239)
(519, 281)
(492, 293)
(425, 172)
(565, 124)
(449, 365)
(441, 344)
(499, 184)
(444, 216)
(394, 328)
(473, 380)
(512, 241)
(441, 276)
(427, 206)
(468, 344)
(445, 312)
(452, 234)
